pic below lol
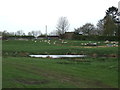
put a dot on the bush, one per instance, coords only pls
(17, 37)
(95, 37)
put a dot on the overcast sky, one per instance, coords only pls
(28, 15)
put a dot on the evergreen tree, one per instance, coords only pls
(109, 26)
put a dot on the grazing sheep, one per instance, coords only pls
(90, 44)
(82, 43)
(113, 42)
(54, 43)
(49, 43)
(98, 42)
(94, 44)
(85, 44)
(64, 42)
(45, 41)
(106, 41)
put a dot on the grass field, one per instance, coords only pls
(98, 70)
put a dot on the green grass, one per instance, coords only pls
(13, 47)
(92, 74)
(20, 71)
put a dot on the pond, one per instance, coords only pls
(58, 56)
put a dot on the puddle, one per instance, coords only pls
(57, 56)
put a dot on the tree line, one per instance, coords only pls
(107, 26)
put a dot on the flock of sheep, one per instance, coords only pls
(107, 43)
(52, 42)
(60, 41)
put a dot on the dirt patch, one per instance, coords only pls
(112, 55)
(80, 60)
(73, 61)
(23, 54)
(93, 46)
(95, 55)
(32, 81)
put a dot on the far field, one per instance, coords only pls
(98, 70)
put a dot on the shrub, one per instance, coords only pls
(95, 38)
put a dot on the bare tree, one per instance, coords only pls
(54, 32)
(29, 34)
(100, 27)
(62, 25)
(5, 33)
(35, 33)
(12, 33)
(19, 32)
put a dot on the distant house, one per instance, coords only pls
(53, 37)
(68, 35)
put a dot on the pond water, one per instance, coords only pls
(57, 56)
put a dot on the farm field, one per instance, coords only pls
(98, 70)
